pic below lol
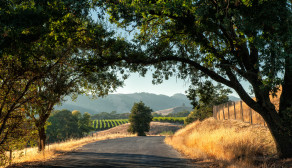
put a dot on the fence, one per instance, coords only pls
(238, 111)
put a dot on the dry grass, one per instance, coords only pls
(230, 142)
(54, 150)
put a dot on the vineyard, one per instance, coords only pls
(107, 124)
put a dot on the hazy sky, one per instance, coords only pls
(136, 83)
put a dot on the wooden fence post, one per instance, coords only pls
(228, 110)
(241, 110)
(218, 109)
(214, 112)
(234, 111)
(250, 113)
(10, 157)
(25, 149)
(223, 111)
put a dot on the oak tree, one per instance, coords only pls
(140, 119)
(228, 41)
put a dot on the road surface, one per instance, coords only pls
(133, 152)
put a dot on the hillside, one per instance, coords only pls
(173, 110)
(123, 103)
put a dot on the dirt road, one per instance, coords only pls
(135, 152)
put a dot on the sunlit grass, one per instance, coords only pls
(229, 141)
(54, 150)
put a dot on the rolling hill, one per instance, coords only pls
(122, 103)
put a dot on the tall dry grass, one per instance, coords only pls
(229, 141)
(54, 150)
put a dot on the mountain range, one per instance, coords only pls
(122, 103)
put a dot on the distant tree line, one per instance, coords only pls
(111, 115)
(183, 113)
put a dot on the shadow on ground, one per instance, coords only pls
(110, 160)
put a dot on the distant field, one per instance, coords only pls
(107, 124)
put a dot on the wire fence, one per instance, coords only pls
(238, 111)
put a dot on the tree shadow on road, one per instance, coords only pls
(91, 159)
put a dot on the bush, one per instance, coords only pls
(140, 119)
(199, 114)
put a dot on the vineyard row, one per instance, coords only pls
(106, 124)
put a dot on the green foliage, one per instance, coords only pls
(40, 61)
(208, 95)
(179, 120)
(199, 114)
(183, 113)
(140, 119)
(85, 124)
(29, 49)
(65, 124)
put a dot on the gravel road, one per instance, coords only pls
(136, 152)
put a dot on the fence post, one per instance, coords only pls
(234, 111)
(223, 111)
(10, 157)
(214, 112)
(218, 110)
(241, 110)
(228, 110)
(25, 149)
(250, 113)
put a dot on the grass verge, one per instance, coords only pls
(231, 143)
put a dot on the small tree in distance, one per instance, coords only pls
(140, 119)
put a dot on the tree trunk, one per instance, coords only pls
(141, 134)
(42, 138)
(282, 134)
